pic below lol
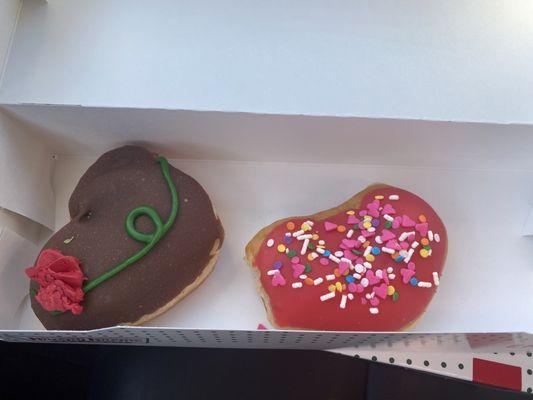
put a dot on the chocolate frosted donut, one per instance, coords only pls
(142, 236)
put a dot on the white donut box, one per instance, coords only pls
(278, 111)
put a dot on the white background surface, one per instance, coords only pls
(447, 60)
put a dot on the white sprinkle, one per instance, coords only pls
(298, 233)
(303, 276)
(387, 250)
(356, 275)
(394, 197)
(424, 284)
(320, 250)
(405, 235)
(430, 251)
(388, 217)
(343, 301)
(436, 236)
(371, 229)
(409, 255)
(359, 268)
(378, 240)
(318, 281)
(304, 247)
(350, 296)
(270, 243)
(436, 280)
(287, 234)
(339, 253)
(303, 237)
(334, 259)
(368, 297)
(272, 272)
(430, 236)
(349, 234)
(392, 277)
(367, 265)
(403, 253)
(330, 277)
(414, 245)
(310, 223)
(379, 273)
(321, 242)
(367, 251)
(327, 296)
(297, 285)
(361, 238)
(314, 255)
(389, 270)
(374, 310)
(364, 282)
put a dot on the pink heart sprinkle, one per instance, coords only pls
(407, 222)
(349, 255)
(343, 266)
(387, 235)
(366, 234)
(397, 222)
(407, 274)
(359, 260)
(324, 261)
(411, 265)
(372, 278)
(374, 301)
(352, 287)
(388, 209)
(374, 213)
(404, 244)
(349, 243)
(261, 327)
(374, 205)
(411, 238)
(393, 244)
(385, 276)
(278, 279)
(295, 260)
(352, 220)
(380, 290)
(362, 213)
(359, 288)
(329, 226)
(297, 270)
(422, 228)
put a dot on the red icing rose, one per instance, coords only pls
(60, 279)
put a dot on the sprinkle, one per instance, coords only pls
(303, 237)
(281, 248)
(361, 238)
(389, 270)
(343, 301)
(414, 245)
(303, 277)
(388, 217)
(315, 236)
(329, 226)
(424, 241)
(324, 261)
(371, 229)
(270, 242)
(310, 223)
(424, 253)
(350, 279)
(307, 267)
(395, 296)
(338, 286)
(405, 235)
(373, 310)
(272, 272)
(299, 233)
(320, 250)
(409, 255)
(330, 277)
(390, 290)
(305, 227)
(392, 277)
(387, 250)
(379, 197)
(309, 281)
(378, 240)
(295, 260)
(290, 226)
(332, 288)
(287, 239)
(413, 281)
(424, 284)
(327, 296)
(370, 257)
(339, 253)
(341, 229)
(350, 296)
(349, 234)
(291, 253)
(436, 280)
(304, 247)
(359, 268)
(334, 259)
(367, 265)
(367, 225)
(388, 224)
(376, 250)
(436, 236)
(278, 264)
(368, 296)
(356, 275)
(430, 236)
(367, 251)
(297, 285)
(321, 242)
(350, 212)
(364, 282)
(312, 256)
(394, 197)
(318, 281)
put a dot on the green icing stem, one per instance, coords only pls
(151, 239)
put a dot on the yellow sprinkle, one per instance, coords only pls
(350, 212)
(424, 253)
(370, 258)
(367, 218)
(281, 248)
(331, 288)
(379, 197)
(310, 257)
(367, 224)
(315, 236)
(390, 290)
(338, 285)
(305, 227)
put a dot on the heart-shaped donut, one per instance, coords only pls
(371, 264)
(142, 236)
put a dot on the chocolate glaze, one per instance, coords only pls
(119, 181)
